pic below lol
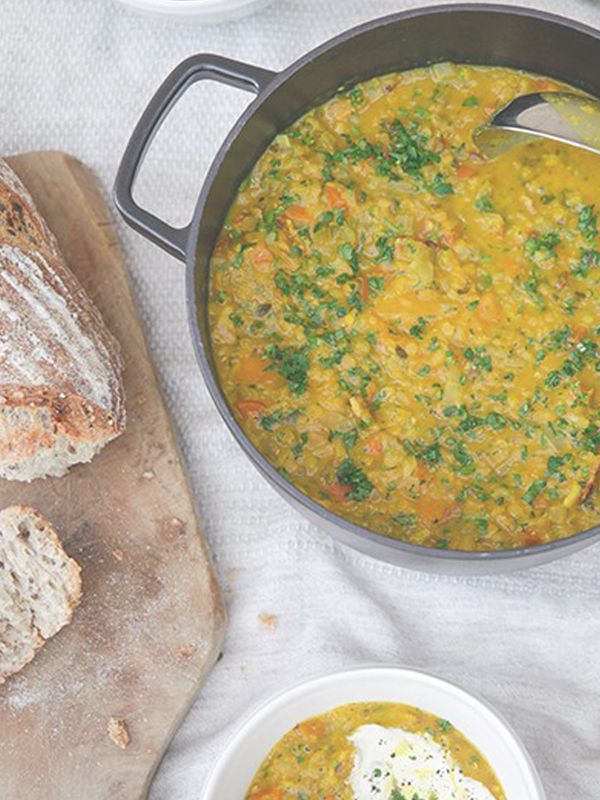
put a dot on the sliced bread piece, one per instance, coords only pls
(61, 392)
(39, 586)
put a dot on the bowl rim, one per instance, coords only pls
(354, 535)
(275, 702)
(185, 8)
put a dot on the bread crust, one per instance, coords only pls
(60, 368)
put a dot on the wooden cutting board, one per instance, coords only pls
(150, 624)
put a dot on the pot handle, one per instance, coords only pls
(196, 68)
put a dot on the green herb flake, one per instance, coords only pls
(239, 258)
(441, 187)
(350, 255)
(404, 519)
(588, 259)
(484, 204)
(299, 446)
(543, 245)
(534, 490)
(418, 329)
(588, 222)
(356, 96)
(349, 474)
(292, 365)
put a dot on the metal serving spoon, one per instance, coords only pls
(562, 116)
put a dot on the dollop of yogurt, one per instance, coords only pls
(393, 764)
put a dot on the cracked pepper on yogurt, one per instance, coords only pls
(387, 751)
(409, 333)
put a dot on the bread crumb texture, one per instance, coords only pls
(39, 586)
(118, 733)
(268, 621)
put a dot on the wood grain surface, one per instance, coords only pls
(150, 624)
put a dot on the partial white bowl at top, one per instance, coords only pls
(197, 10)
(234, 770)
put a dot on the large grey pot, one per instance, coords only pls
(471, 33)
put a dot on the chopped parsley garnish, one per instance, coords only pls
(348, 438)
(418, 329)
(292, 365)
(326, 218)
(555, 463)
(483, 203)
(408, 150)
(588, 259)
(405, 152)
(583, 353)
(466, 465)
(385, 248)
(431, 454)
(534, 490)
(239, 258)
(270, 420)
(375, 283)
(441, 187)
(404, 519)
(479, 358)
(349, 474)
(355, 300)
(356, 96)
(588, 222)
(590, 438)
(542, 245)
(350, 255)
(299, 446)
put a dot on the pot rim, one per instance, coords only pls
(288, 490)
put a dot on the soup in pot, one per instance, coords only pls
(410, 333)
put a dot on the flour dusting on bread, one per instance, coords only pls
(61, 393)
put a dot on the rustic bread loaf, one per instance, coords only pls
(61, 394)
(39, 586)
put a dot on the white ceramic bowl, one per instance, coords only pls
(234, 770)
(197, 10)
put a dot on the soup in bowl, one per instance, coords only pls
(386, 750)
(381, 731)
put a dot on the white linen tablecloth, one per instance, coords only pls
(75, 75)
